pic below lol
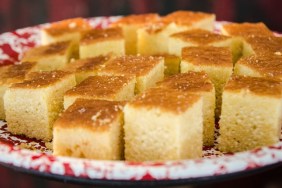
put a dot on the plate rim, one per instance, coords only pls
(143, 183)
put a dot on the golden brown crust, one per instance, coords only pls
(155, 27)
(185, 17)
(182, 18)
(268, 65)
(170, 100)
(188, 82)
(131, 65)
(100, 35)
(58, 48)
(262, 44)
(43, 79)
(258, 86)
(247, 29)
(67, 26)
(100, 86)
(208, 56)
(96, 115)
(88, 64)
(140, 19)
(16, 73)
(199, 36)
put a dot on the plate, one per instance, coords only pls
(214, 165)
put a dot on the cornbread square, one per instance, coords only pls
(84, 68)
(147, 69)
(251, 114)
(197, 83)
(90, 129)
(200, 37)
(163, 124)
(246, 29)
(130, 24)
(97, 42)
(113, 88)
(31, 107)
(257, 37)
(215, 61)
(190, 19)
(266, 65)
(53, 56)
(257, 45)
(64, 30)
(153, 39)
(12, 74)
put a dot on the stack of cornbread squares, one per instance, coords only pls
(147, 88)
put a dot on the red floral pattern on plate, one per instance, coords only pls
(213, 163)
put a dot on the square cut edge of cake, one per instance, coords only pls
(251, 114)
(69, 29)
(148, 70)
(32, 106)
(154, 39)
(90, 129)
(54, 56)
(215, 61)
(156, 118)
(200, 37)
(13, 74)
(197, 83)
(97, 42)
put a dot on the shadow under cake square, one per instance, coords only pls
(130, 25)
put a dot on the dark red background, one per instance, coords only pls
(22, 13)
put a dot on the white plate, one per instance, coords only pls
(213, 165)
